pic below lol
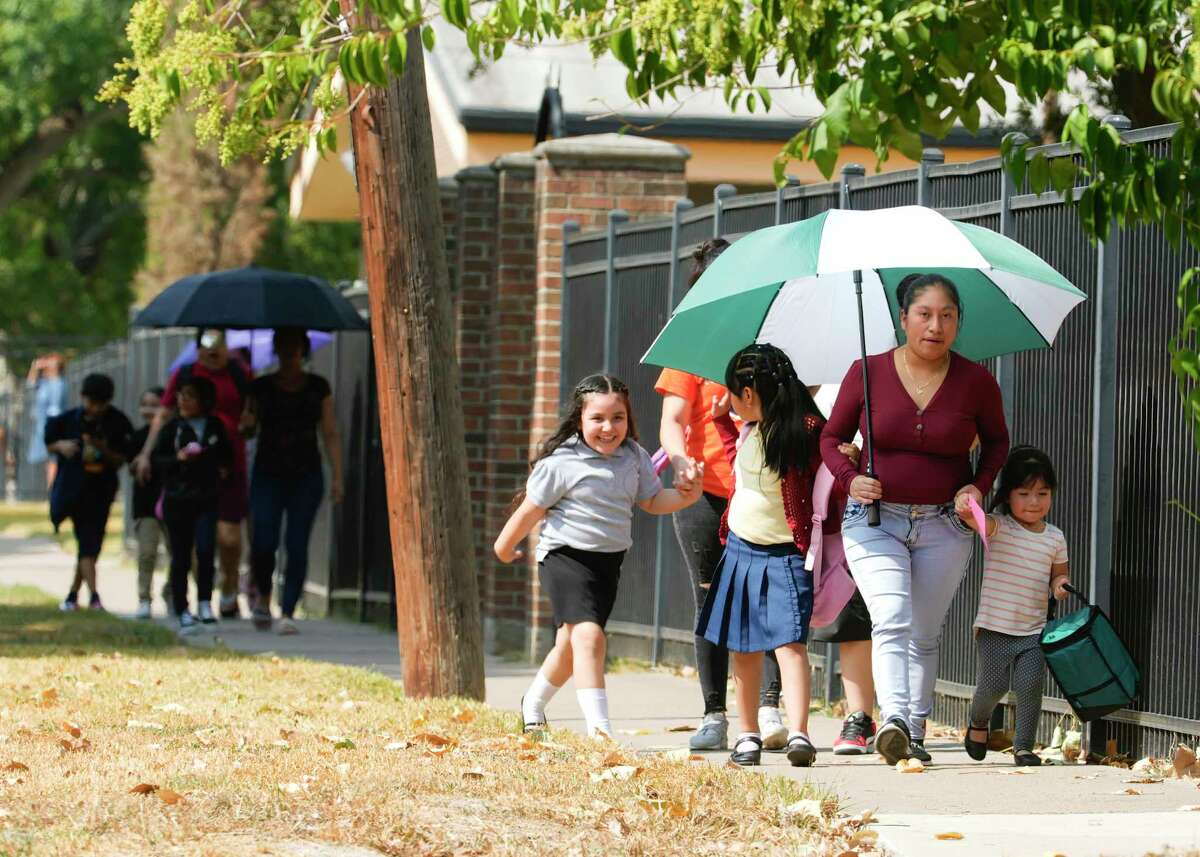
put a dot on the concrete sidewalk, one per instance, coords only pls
(1077, 811)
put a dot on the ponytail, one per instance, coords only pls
(789, 412)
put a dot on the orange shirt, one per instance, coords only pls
(703, 441)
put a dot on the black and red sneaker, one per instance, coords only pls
(858, 733)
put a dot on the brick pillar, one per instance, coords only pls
(448, 203)
(474, 265)
(581, 179)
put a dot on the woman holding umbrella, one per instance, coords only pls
(290, 407)
(927, 407)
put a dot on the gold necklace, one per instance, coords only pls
(921, 388)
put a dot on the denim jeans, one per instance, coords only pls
(271, 497)
(908, 570)
(697, 531)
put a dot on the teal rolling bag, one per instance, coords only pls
(1089, 662)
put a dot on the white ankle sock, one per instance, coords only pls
(594, 702)
(533, 709)
(803, 735)
(737, 745)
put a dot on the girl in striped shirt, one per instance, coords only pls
(1026, 561)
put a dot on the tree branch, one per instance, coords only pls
(20, 168)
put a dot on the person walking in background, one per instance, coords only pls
(49, 400)
(194, 456)
(928, 406)
(288, 408)
(761, 596)
(148, 529)
(232, 382)
(586, 480)
(1026, 561)
(91, 443)
(687, 433)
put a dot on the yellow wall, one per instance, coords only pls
(330, 192)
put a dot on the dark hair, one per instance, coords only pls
(203, 389)
(155, 390)
(297, 333)
(703, 256)
(572, 422)
(98, 388)
(1025, 465)
(789, 412)
(910, 288)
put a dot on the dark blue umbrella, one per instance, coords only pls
(251, 298)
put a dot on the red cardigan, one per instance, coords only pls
(796, 487)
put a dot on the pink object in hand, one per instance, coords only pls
(193, 449)
(980, 519)
(833, 586)
(660, 460)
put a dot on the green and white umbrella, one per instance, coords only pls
(793, 286)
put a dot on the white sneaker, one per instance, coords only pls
(287, 627)
(205, 613)
(143, 610)
(770, 724)
(188, 624)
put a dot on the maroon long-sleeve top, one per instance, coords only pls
(922, 456)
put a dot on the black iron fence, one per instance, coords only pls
(1103, 403)
(350, 572)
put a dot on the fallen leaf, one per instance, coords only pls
(462, 715)
(633, 732)
(1144, 780)
(72, 746)
(1018, 771)
(171, 708)
(71, 729)
(286, 734)
(1191, 807)
(682, 727)
(1086, 776)
(663, 807)
(475, 774)
(910, 766)
(143, 789)
(1128, 792)
(617, 826)
(169, 796)
(951, 835)
(133, 682)
(291, 788)
(1182, 761)
(16, 766)
(50, 694)
(419, 721)
(434, 739)
(802, 808)
(679, 754)
(617, 772)
(438, 751)
(398, 745)
(616, 757)
(344, 744)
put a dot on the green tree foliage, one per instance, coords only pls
(71, 172)
(886, 71)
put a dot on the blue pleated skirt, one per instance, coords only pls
(760, 598)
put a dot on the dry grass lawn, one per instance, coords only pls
(116, 740)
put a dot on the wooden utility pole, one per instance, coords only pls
(420, 408)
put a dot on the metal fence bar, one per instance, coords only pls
(611, 319)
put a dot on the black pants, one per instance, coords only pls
(191, 527)
(696, 529)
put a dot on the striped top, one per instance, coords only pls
(1016, 577)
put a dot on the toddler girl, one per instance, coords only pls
(1027, 560)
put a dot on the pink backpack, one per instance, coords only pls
(833, 586)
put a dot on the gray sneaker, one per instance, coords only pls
(713, 733)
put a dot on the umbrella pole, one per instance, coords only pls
(873, 508)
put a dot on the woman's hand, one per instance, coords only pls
(851, 451)
(961, 504)
(66, 448)
(694, 486)
(866, 490)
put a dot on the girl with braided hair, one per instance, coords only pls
(761, 596)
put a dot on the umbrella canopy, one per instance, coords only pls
(251, 298)
(260, 342)
(792, 286)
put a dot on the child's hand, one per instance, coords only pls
(851, 451)
(720, 406)
(508, 555)
(1060, 588)
(695, 484)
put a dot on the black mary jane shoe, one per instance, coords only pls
(800, 752)
(747, 758)
(916, 750)
(1027, 759)
(532, 728)
(975, 749)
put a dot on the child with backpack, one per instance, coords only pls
(147, 527)
(1026, 561)
(194, 455)
(761, 598)
(584, 483)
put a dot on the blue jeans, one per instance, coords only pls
(271, 497)
(908, 570)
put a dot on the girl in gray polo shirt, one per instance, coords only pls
(586, 480)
